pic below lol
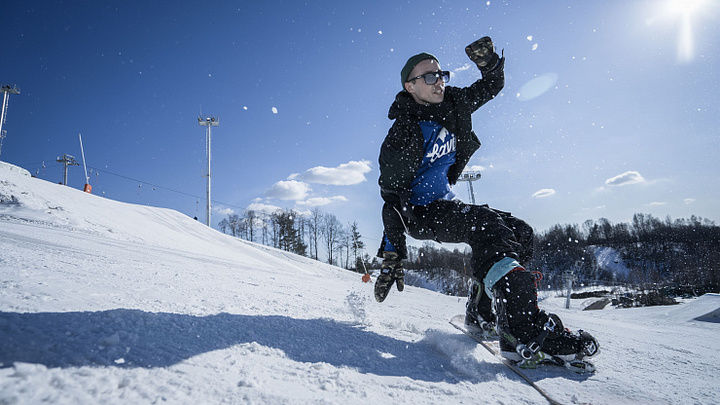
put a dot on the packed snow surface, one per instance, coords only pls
(113, 303)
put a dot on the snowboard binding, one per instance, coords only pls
(531, 355)
(527, 352)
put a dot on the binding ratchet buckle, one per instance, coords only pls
(529, 351)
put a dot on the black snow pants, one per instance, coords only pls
(492, 234)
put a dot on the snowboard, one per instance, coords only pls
(548, 363)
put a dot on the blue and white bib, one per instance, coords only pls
(431, 181)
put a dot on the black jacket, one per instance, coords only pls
(402, 151)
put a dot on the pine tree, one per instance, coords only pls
(357, 245)
(287, 235)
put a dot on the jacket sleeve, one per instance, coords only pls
(485, 89)
(400, 156)
(467, 100)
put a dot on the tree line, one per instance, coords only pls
(307, 234)
(658, 253)
(655, 251)
(681, 252)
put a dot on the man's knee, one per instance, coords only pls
(523, 232)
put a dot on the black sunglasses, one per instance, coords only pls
(432, 78)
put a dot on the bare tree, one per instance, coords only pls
(346, 245)
(250, 218)
(233, 220)
(315, 224)
(331, 232)
(264, 218)
(224, 224)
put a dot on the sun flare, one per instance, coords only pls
(686, 11)
(684, 6)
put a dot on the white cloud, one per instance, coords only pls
(591, 211)
(476, 168)
(689, 201)
(463, 68)
(629, 177)
(545, 192)
(261, 207)
(288, 190)
(225, 211)
(345, 174)
(320, 201)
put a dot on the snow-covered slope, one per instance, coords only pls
(113, 303)
(611, 260)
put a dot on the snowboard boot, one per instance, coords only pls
(475, 322)
(528, 334)
(566, 344)
(391, 272)
(552, 340)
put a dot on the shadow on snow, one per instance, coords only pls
(145, 339)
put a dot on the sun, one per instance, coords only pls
(686, 11)
(684, 7)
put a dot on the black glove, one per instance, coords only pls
(393, 261)
(482, 52)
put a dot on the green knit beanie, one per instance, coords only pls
(411, 63)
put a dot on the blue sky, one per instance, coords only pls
(609, 109)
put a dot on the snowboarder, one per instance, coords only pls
(424, 153)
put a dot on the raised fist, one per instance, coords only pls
(482, 52)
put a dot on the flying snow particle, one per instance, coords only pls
(529, 37)
(380, 32)
(245, 108)
(274, 110)
(534, 47)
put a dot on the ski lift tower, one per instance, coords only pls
(67, 160)
(470, 177)
(7, 91)
(208, 122)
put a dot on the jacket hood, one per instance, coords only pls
(405, 105)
